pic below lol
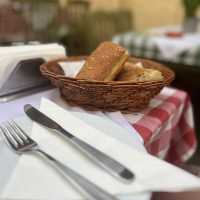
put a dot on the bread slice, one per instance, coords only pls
(137, 73)
(104, 63)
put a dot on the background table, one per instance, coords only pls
(185, 50)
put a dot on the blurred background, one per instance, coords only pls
(81, 24)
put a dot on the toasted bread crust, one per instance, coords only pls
(102, 61)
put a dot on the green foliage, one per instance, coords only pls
(191, 7)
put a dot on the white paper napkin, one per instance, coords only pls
(34, 179)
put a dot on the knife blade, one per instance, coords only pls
(106, 162)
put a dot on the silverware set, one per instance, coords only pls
(21, 143)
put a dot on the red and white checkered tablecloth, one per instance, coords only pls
(167, 126)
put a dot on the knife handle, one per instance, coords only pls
(103, 160)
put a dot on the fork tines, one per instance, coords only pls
(14, 135)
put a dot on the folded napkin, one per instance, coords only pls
(34, 179)
(11, 56)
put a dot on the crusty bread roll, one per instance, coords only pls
(137, 73)
(104, 63)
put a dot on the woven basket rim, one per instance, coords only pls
(152, 64)
(126, 96)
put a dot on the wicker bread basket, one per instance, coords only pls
(106, 96)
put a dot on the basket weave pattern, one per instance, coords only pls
(107, 96)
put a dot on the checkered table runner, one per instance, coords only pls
(142, 46)
(167, 126)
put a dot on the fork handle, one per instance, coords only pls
(86, 187)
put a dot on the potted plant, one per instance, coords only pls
(190, 21)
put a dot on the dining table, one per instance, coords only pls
(165, 128)
(166, 44)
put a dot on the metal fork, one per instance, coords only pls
(22, 143)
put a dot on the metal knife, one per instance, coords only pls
(106, 162)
